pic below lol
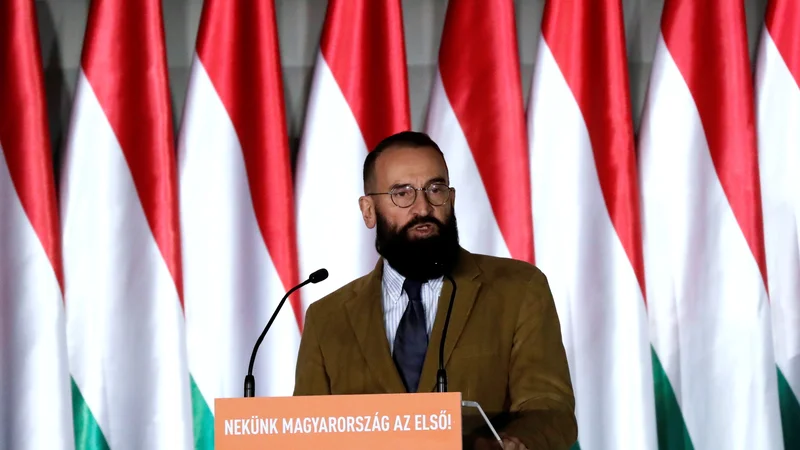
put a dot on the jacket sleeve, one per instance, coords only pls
(542, 400)
(310, 375)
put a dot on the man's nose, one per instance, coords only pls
(421, 206)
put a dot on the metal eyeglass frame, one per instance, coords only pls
(415, 189)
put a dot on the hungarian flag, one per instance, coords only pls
(237, 214)
(35, 410)
(359, 95)
(705, 264)
(778, 107)
(586, 217)
(476, 115)
(122, 259)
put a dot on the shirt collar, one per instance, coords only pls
(392, 282)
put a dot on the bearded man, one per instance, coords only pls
(380, 333)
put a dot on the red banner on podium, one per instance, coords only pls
(386, 421)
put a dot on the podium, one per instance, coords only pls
(423, 421)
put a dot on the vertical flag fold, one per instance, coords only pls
(477, 117)
(586, 217)
(778, 108)
(706, 273)
(121, 239)
(237, 213)
(34, 374)
(359, 95)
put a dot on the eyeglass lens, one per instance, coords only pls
(405, 196)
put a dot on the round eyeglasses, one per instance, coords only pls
(404, 196)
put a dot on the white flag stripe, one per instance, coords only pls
(125, 322)
(328, 184)
(778, 106)
(597, 294)
(478, 230)
(231, 284)
(709, 311)
(34, 375)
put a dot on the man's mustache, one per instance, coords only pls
(422, 221)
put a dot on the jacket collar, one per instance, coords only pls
(365, 313)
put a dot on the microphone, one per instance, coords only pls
(249, 380)
(441, 374)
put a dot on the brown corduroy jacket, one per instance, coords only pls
(503, 349)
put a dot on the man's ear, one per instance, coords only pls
(453, 198)
(367, 206)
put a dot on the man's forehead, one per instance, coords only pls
(399, 164)
(415, 159)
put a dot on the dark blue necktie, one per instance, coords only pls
(411, 340)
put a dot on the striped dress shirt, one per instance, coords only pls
(395, 301)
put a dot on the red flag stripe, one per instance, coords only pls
(125, 62)
(243, 62)
(708, 42)
(479, 66)
(362, 43)
(781, 21)
(587, 40)
(24, 133)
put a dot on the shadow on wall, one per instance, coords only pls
(298, 56)
(59, 100)
(179, 26)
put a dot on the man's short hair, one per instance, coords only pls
(414, 139)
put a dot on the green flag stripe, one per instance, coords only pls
(88, 435)
(672, 432)
(790, 413)
(202, 420)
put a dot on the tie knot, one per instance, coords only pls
(414, 290)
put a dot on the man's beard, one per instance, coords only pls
(422, 258)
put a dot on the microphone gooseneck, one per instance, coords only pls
(441, 374)
(250, 380)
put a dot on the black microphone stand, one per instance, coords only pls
(441, 374)
(250, 380)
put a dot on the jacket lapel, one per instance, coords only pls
(365, 312)
(465, 276)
